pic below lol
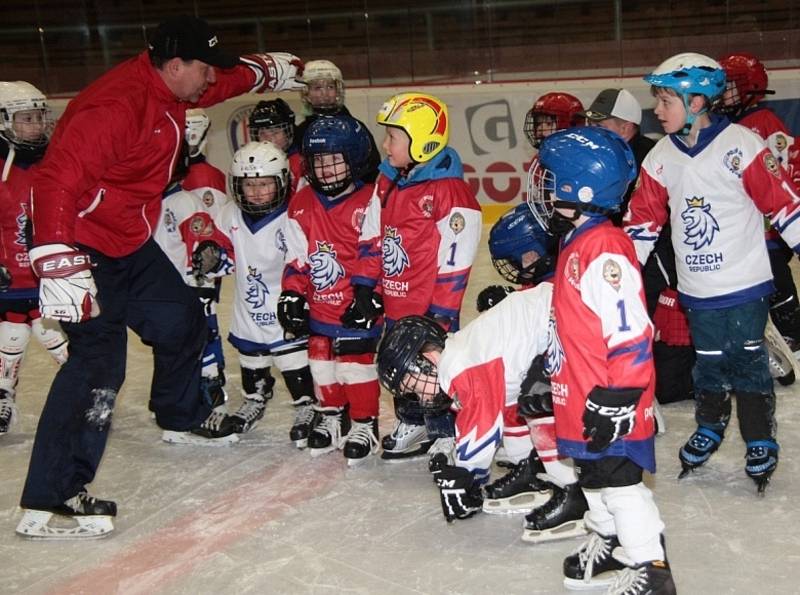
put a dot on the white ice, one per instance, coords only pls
(263, 517)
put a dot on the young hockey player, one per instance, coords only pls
(746, 87)
(323, 95)
(253, 235)
(714, 180)
(24, 134)
(325, 220)
(202, 178)
(418, 243)
(551, 112)
(273, 121)
(600, 360)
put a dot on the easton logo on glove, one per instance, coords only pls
(62, 264)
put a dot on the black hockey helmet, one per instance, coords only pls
(403, 368)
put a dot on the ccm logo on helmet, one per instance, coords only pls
(583, 140)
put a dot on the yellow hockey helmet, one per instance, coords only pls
(423, 118)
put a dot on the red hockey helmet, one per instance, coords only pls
(746, 81)
(551, 112)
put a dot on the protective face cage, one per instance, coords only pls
(512, 270)
(330, 183)
(261, 209)
(32, 144)
(541, 193)
(534, 121)
(286, 127)
(329, 107)
(421, 383)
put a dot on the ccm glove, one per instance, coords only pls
(492, 295)
(535, 397)
(277, 71)
(67, 291)
(293, 314)
(364, 310)
(5, 278)
(610, 414)
(206, 258)
(460, 496)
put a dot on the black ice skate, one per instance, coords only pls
(591, 566)
(361, 441)
(561, 517)
(91, 519)
(8, 411)
(698, 449)
(761, 460)
(247, 416)
(407, 441)
(305, 418)
(650, 578)
(334, 423)
(519, 490)
(216, 430)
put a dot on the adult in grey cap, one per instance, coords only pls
(97, 197)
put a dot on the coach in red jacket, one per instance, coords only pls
(96, 197)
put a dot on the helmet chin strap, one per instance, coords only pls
(690, 117)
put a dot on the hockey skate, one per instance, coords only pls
(591, 566)
(216, 430)
(247, 416)
(441, 453)
(407, 441)
(761, 460)
(80, 517)
(698, 449)
(361, 441)
(519, 490)
(782, 361)
(305, 419)
(329, 433)
(650, 578)
(8, 411)
(561, 517)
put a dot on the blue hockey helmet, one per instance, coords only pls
(512, 237)
(331, 136)
(402, 366)
(587, 168)
(690, 73)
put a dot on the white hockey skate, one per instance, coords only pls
(783, 365)
(80, 517)
(406, 442)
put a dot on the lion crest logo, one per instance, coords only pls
(257, 290)
(325, 269)
(699, 225)
(395, 259)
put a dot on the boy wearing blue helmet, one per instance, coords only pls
(714, 180)
(599, 356)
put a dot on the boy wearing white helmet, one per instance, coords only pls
(24, 134)
(715, 181)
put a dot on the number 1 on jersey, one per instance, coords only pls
(623, 322)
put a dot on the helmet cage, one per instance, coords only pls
(274, 114)
(534, 122)
(541, 193)
(237, 184)
(328, 184)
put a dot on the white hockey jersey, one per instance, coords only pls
(714, 194)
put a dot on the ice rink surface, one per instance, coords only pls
(263, 517)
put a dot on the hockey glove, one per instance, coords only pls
(535, 397)
(5, 278)
(610, 414)
(206, 258)
(364, 310)
(67, 291)
(277, 71)
(492, 295)
(293, 314)
(460, 496)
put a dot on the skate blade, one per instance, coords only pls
(685, 471)
(172, 437)
(520, 503)
(566, 531)
(318, 452)
(354, 463)
(301, 444)
(602, 581)
(391, 456)
(35, 524)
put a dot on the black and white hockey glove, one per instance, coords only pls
(460, 496)
(535, 397)
(610, 414)
(67, 291)
(206, 258)
(364, 310)
(277, 71)
(5, 278)
(492, 295)
(293, 314)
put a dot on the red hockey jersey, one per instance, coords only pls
(15, 208)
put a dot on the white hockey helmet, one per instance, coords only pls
(323, 70)
(19, 96)
(196, 131)
(259, 160)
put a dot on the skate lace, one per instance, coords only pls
(629, 581)
(512, 475)
(361, 432)
(554, 504)
(250, 410)
(304, 415)
(595, 549)
(404, 430)
(81, 502)
(214, 421)
(6, 409)
(331, 424)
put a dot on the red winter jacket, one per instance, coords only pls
(112, 155)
